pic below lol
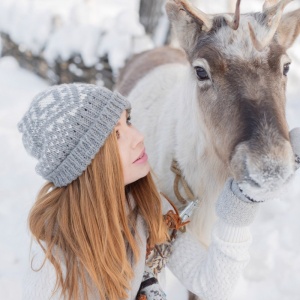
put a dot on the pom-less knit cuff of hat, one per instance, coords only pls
(90, 143)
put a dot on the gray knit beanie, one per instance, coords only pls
(66, 125)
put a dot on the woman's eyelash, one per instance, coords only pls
(128, 121)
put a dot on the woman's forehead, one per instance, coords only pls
(125, 114)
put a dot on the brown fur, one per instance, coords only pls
(143, 63)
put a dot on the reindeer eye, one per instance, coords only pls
(286, 69)
(201, 73)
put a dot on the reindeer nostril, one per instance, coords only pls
(271, 175)
(253, 182)
(273, 171)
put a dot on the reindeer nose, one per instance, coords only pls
(272, 169)
(263, 168)
(269, 172)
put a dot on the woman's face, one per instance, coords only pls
(132, 150)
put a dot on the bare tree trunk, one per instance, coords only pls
(150, 13)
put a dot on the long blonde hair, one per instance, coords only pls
(89, 225)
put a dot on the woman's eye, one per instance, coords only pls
(117, 134)
(128, 120)
(286, 69)
(201, 73)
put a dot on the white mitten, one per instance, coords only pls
(295, 141)
(233, 207)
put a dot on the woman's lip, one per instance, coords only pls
(142, 160)
(143, 157)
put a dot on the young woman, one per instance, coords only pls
(100, 211)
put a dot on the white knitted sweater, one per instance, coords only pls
(209, 273)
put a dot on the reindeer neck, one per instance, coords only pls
(202, 167)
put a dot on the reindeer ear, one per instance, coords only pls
(289, 28)
(186, 23)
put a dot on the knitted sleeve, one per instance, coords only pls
(212, 273)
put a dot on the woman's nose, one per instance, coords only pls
(138, 137)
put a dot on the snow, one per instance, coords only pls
(19, 183)
(62, 29)
(273, 272)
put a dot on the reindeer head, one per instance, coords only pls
(240, 66)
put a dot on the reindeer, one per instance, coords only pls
(216, 106)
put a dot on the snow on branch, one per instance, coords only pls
(63, 29)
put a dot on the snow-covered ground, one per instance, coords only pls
(273, 273)
(18, 184)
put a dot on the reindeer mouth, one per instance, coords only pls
(248, 197)
(252, 182)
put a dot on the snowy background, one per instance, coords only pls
(112, 27)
